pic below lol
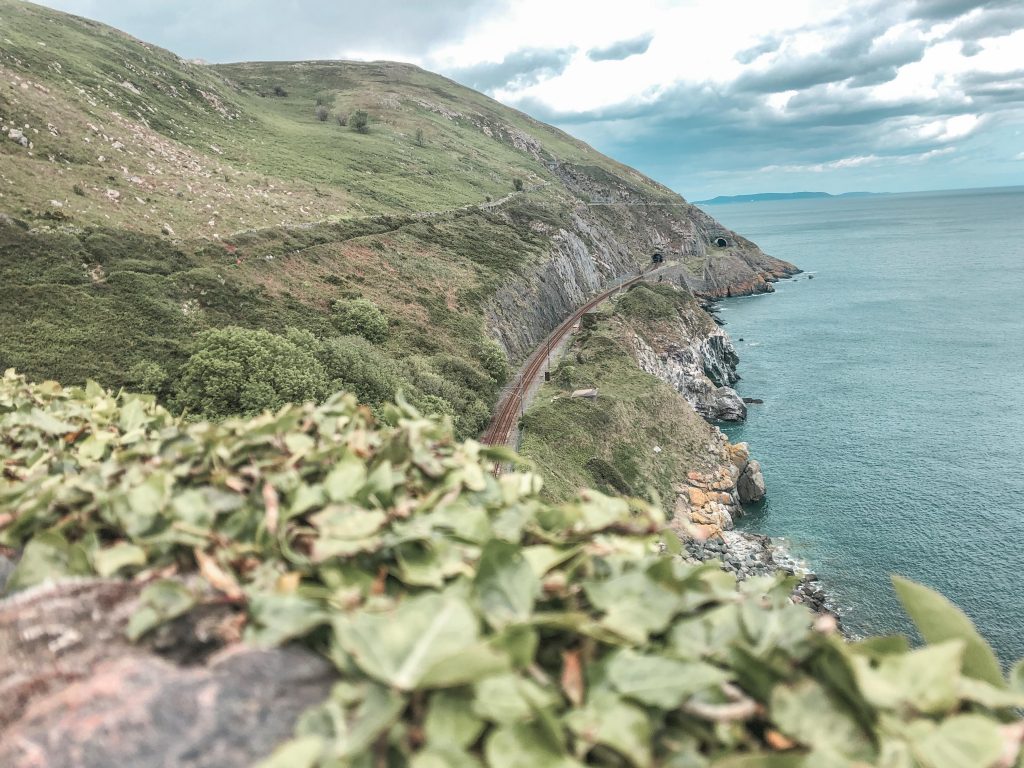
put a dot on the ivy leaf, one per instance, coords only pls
(807, 713)
(159, 603)
(964, 741)
(1017, 676)
(525, 746)
(938, 620)
(505, 584)
(400, 646)
(659, 681)
(609, 720)
(278, 617)
(109, 560)
(450, 722)
(48, 556)
(303, 752)
(635, 604)
(925, 679)
(509, 698)
(443, 758)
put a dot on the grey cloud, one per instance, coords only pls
(622, 49)
(992, 23)
(239, 30)
(945, 10)
(971, 48)
(767, 45)
(519, 69)
(860, 56)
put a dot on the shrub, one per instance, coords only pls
(322, 113)
(353, 364)
(517, 185)
(642, 303)
(606, 476)
(360, 317)
(342, 120)
(360, 121)
(472, 623)
(79, 190)
(237, 371)
(280, 91)
(147, 376)
(420, 140)
(494, 360)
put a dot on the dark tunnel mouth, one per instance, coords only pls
(721, 242)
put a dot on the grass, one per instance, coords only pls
(609, 443)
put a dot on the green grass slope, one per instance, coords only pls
(145, 200)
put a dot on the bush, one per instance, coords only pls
(353, 364)
(494, 360)
(360, 121)
(280, 91)
(607, 477)
(237, 371)
(147, 376)
(420, 141)
(342, 120)
(642, 303)
(322, 113)
(517, 185)
(472, 623)
(360, 317)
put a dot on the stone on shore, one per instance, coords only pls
(751, 486)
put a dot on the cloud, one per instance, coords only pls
(240, 30)
(947, 10)
(519, 69)
(622, 49)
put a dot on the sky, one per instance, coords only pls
(711, 97)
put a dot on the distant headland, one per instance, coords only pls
(765, 196)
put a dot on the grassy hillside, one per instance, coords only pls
(639, 437)
(145, 200)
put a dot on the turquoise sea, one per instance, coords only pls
(892, 433)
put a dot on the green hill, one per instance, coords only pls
(145, 200)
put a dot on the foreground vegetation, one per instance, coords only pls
(471, 622)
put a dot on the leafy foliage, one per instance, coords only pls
(360, 121)
(359, 317)
(241, 371)
(472, 623)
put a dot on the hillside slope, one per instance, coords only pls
(145, 199)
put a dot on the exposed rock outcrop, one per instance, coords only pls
(78, 694)
(699, 362)
(750, 486)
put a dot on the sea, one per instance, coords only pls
(892, 374)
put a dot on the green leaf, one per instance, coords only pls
(48, 556)
(635, 604)
(807, 713)
(508, 698)
(607, 719)
(938, 620)
(401, 646)
(964, 741)
(109, 561)
(925, 679)
(278, 617)
(374, 714)
(160, 602)
(970, 689)
(763, 761)
(450, 722)
(659, 681)
(303, 752)
(505, 585)
(345, 480)
(524, 746)
(1017, 676)
(443, 758)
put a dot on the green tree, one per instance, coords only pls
(353, 364)
(360, 121)
(360, 317)
(147, 376)
(238, 371)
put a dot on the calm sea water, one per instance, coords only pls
(892, 433)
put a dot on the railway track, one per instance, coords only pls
(506, 416)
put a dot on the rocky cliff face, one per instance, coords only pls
(698, 360)
(611, 233)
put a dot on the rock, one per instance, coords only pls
(727, 405)
(18, 136)
(78, 694)
(753, 401)
(750, 486)
(166, 230)
(113, 194)
(697, 497)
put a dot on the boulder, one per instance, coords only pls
(751, 486)
(727, 405)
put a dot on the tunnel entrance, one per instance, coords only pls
(721, 242)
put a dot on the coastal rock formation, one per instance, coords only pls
(699, 362)
(750, 486)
